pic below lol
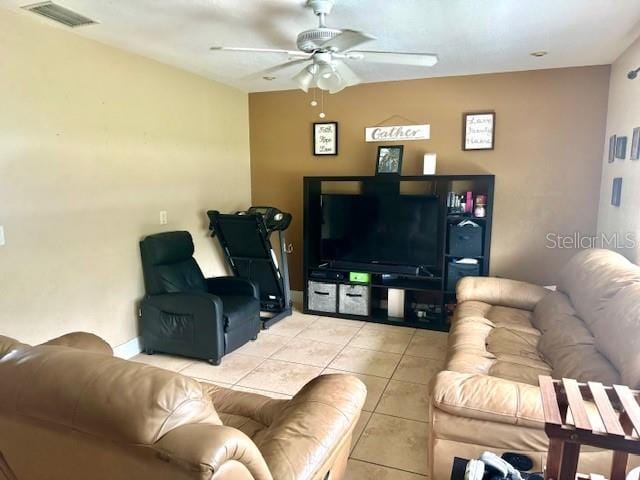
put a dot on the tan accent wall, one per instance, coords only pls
(549, 132)
(94, 142)
(622, 118)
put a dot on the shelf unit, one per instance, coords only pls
(418, 290)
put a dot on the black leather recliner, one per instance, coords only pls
(185, 313)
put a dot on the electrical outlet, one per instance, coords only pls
(164, 218)
(2, 239)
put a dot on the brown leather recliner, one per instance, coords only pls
(70, 410)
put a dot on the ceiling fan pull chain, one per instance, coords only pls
(322, 114)
(314, 102)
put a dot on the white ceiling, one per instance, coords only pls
(470, 36)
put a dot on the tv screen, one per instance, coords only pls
(384, 229)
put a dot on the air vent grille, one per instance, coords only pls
(59, 14)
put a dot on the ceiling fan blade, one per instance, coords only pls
(398, 58)
(349, 77)
(291, 53)
(347, 39)
(275, 69)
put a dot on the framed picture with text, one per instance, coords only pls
(478, 131)
(325, 138)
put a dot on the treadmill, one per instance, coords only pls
(245, 240)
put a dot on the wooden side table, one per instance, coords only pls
(620, 413)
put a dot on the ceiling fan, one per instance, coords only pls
(327, 49)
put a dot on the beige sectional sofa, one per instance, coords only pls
(506, 333)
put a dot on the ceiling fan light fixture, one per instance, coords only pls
(305, 77)
(326, 70)
(332, 84)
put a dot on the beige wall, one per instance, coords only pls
(550, 129)
(622, 118)
(94, 142)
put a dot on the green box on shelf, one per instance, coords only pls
(358, 277)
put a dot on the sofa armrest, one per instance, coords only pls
(82, 341)
(213, 448)
(232, 286)
(488, 398)
(8, 345)
(313, 426)
(500, 291)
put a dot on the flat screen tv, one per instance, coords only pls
(380, 229)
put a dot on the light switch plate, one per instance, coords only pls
(2, 239)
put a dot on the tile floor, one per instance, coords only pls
(396, 364)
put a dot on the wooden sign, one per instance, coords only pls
(325, 138)
(396, 133)
(478, 131)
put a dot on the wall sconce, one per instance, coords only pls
(633, 73)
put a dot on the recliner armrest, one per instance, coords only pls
(213, 447)
(312, 426)
(489, 398)
(82, 341)
(194, 303)
(232, 286)
(500, 291)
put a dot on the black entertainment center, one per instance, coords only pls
(367, 239)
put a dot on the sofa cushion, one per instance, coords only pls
(470, 335)
(476, 345)
(511, 318)
(488, 398)
(513, 342)
(248, 412)
(592, 278)
(585, 364)
(550, 309)
(617, 335)
(566, 333)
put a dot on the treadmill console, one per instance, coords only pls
(274, 219)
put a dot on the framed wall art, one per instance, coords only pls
(635, 144)
(478, 131)
(325, 138)
(612, 148)
(621, 147)
(616, 192)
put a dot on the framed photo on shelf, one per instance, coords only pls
(325, 138)
(635, 144)
(389, 160)
(478, 131)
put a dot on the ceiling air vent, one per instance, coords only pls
(59, 14)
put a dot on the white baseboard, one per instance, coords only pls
(129, 349)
